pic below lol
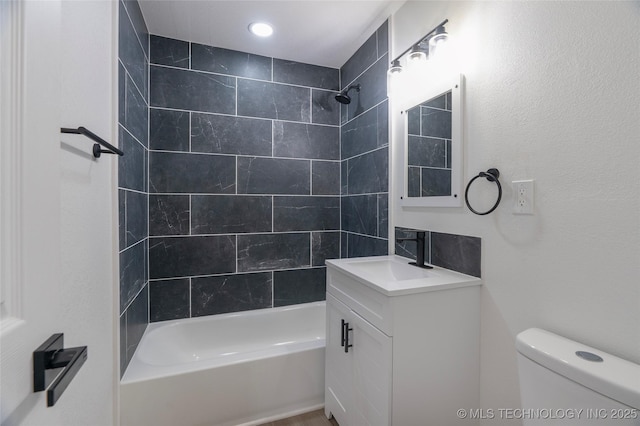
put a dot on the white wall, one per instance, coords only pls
(89, 209)
(552, 94)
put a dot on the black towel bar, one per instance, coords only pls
(51, 355)
(96, 147)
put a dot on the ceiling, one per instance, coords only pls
(319, 32)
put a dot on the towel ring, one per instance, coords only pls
(492, 176)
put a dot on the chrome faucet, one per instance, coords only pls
(420, 240)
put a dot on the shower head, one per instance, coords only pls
(343, 97)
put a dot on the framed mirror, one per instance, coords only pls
(432, 149)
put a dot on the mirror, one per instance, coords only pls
(432, 146)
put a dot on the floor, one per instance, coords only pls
(314, 418)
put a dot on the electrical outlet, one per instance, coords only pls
(523, 196)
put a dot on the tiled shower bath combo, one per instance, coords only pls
(253, 175)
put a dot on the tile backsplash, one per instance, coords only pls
(456, 252)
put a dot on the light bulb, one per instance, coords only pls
(261, 29)
(417, 56)
(438, 39)
(395, 67)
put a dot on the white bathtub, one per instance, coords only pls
(243, 368)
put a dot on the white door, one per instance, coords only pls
(58, 222)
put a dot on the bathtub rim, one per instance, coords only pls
(140, 371)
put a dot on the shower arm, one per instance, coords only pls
(353, 86)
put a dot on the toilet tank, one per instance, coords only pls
(563, 382)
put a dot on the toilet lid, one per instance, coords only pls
(611, 376)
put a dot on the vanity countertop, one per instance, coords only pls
(393, 276)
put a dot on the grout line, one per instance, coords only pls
(243, 77)
(362, 113)
(365, 235)
(310, 105)
(428, 137)
(222, 154)
(246, 195)
(134, 298)
(148, 303)
(130, 134)
(273, 288)
(132, 245)
(224, 274)
(127, 74)
(378, 216)
(246, 116)
(236, 166)
(368, 152)
(239, 233)
(310, 177)
(366, 69)
(134, 30)
(190, 299)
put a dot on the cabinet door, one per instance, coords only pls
(338, 374)
(371, 373)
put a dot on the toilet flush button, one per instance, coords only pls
(589, 356)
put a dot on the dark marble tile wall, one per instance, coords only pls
(456, 252)
(244, 180)
(364, 151)
(133, 197)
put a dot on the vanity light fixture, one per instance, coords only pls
(439, 37)
(261, 29)
(418, 54)
(421, 50)
(395, 67)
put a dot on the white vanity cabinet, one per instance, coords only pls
(403, 355)
(359, 380)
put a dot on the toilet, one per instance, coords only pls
(563, 382)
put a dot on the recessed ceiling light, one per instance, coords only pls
(261, 29)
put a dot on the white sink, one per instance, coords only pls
(392, 275)
(390, 269)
